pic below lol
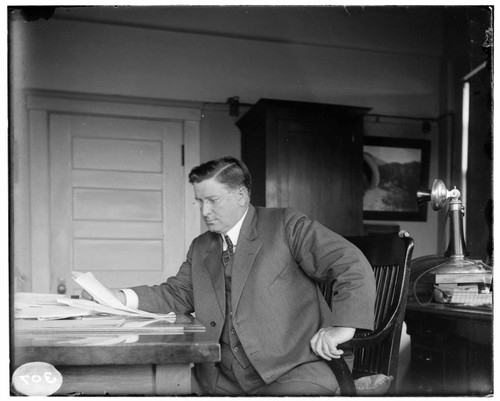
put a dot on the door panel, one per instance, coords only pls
(117, 154)
(117, 204)
(119, 254)
(117, 199)
(116, 229)
(117, 179)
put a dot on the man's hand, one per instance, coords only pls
(117, 293)
(324, 343)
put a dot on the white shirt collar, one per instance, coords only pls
(234, 232)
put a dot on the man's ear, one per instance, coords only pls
(242, 195)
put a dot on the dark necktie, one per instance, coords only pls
(226, 255)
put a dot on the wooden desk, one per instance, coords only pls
(134, 364)
(451, 349)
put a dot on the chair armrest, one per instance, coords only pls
(343, 375)
(369, 338)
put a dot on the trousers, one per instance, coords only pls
(310, 379)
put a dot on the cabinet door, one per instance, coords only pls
(319, 172)
(308, 156)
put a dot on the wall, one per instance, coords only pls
(220, 136)
(390, 76)
(385, 58)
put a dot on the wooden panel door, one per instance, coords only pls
(116, 199)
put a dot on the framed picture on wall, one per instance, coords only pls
(394, 169)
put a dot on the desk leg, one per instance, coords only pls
(173, 379)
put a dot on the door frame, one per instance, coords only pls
(36, 212)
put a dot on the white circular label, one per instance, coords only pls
(37, 378)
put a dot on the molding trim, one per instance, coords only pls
(39, 99)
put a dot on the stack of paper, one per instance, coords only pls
(46, 306)
(462, 294)
(56, 306)
(108, 303)
(98, 325)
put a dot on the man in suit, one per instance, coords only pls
(251, 279)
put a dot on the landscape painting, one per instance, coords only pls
(394, 170)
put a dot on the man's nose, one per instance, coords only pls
(205, 209)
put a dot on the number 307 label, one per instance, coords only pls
(37, 378)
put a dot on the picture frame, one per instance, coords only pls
(394, 170)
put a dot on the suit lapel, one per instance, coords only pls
(247, 249)
(213, 265)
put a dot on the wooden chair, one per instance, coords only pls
(376, 352)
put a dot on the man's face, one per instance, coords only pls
(220, 206)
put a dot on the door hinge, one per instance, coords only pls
(182, 155)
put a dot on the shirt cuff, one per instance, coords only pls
(132, 300)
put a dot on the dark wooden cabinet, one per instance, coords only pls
(451, 345)
(451, 350)
(308, 156)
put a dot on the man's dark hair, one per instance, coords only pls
(226, 170)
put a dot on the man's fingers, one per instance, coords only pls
(325, 347)
(320, 347)
(335, 352)
(322, 354)
(329, 350)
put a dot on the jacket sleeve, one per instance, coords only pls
(326, 256)
(174, 295)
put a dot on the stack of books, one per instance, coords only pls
(463, 294)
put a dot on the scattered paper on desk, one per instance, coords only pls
(51, 312)
(105, 297)
(28, 299)
(66, 308)
(45, 306)
(59, 306)
(70, 324)
(98, 326)
(86, 304)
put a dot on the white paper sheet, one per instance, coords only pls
(106, 298)
(86, 304)
(26, 299)
(100, 293)
(51, 312)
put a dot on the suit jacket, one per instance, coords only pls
(277, 307)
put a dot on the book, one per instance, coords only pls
(450, 278)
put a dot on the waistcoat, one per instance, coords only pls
(234, 361)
